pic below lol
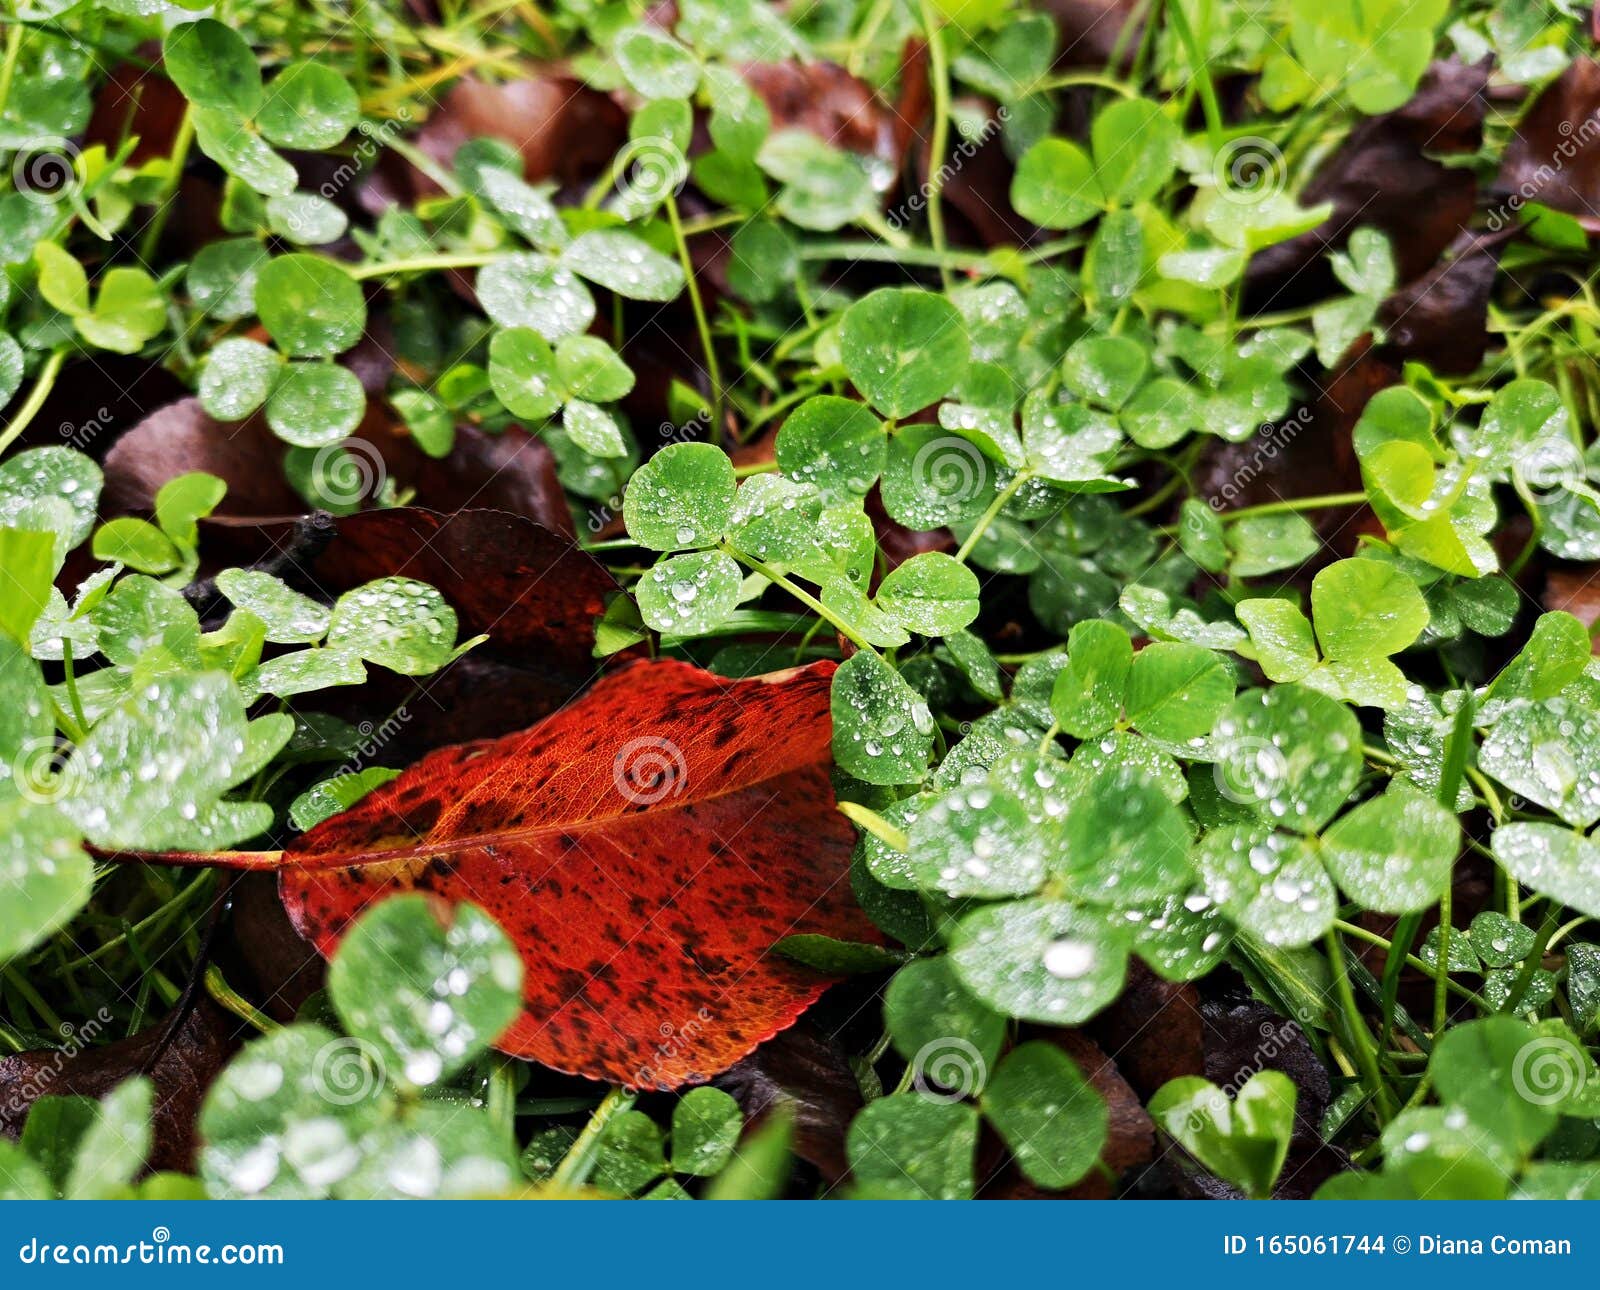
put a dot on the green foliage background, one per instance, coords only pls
(1108, 723)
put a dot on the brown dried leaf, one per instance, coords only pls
(564, 130)
(199, 1049)
(807, 1070)
(1153, 1031)
(1551, 160)
(1383, 176)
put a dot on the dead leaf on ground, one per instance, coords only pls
(645, 847)
(564, 130)
(199, 1049)
(1551, 160)
(1153, 1031)
(1575, 591)
(1130, 1134)
(809, 1072)
(1384, 176)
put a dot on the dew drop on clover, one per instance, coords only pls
(1069, 959)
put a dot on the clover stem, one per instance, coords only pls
(878, 252)
(1360, 1038)
(875, 223)
(502, 1097)
(9, 66)
(1360, 933)
(1441, 1000)
(69, 674)
(1487, 792)
(1202, 73)
(939, 75)
(422, 264)
(1565, 930)
(863, 39)
(43, 383)
(1294, 504)
(426, 164)
(578, 1163)
(1530, 965)
(181, 144)
(1151, 23)
(799, 593)
(1258, 322)
(1098, 79)
(713, 373)
(1536, 526)
(1175, 481)
(989, 516)
(218, 988)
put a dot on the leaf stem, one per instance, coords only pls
(1535, 958)
(799, 593)
(268, 860)
(989, 516)
(939, 76)
(713, 372)
(1360, 1037)
(1097, 79)
(882, 253)
(502, 1098)
(1293, 504)
(1450, 773)
(1412, 961)
(9, 66)
(169, 188)
(423, 264)
(43, 383)
(578, 1163)
(69, 675)
(219, 989)
(1202, 72)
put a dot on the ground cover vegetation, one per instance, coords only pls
(876, 598)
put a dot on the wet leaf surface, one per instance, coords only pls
(181, 1076)
(805, 1069)
(645, 847)
(1544, 135)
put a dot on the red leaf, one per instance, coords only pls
(531, 590)
(645, 847)
(526, 586)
